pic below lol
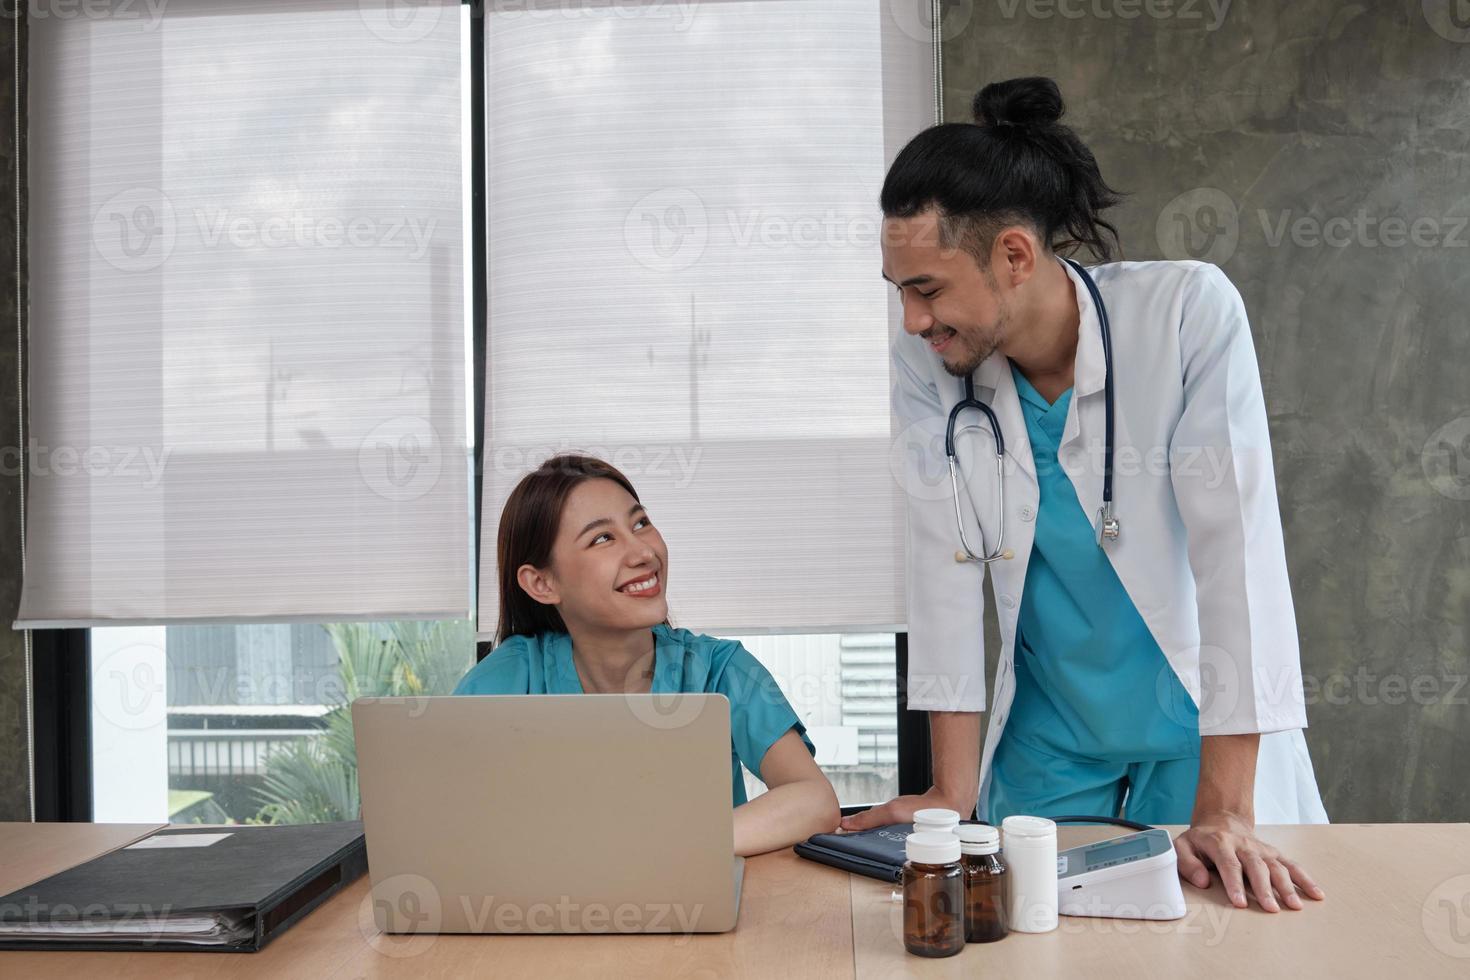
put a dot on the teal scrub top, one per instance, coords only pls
(683, 663)
(1091, 682)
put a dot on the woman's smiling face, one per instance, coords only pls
(609, 564)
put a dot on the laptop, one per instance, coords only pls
(548, 813)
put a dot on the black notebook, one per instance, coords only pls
(222, 889)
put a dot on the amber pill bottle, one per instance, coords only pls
(933, 895)
(985, 883)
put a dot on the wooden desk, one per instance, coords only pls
(1379, 878)
(1398, 906)
(32, 851)
(795, 921)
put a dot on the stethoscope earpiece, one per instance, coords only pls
(961, 557)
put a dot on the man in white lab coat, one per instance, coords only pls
(1154, 674)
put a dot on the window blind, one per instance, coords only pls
(684, 279)
(247, 367)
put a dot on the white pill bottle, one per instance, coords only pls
(936, 821)
(1030, 847)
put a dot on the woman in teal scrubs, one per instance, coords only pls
(583, 574)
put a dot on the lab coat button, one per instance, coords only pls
(1027, 513)
(1008, 601)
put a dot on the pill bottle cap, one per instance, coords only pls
(978, 838)
(1028, 829)
(932, 848)
(936, 817)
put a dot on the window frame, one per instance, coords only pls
(61, 725)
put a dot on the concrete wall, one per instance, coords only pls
(1231, 123)
(14, 766)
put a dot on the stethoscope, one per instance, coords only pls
(1107, 525)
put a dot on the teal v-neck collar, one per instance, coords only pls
(1031, 396)
(561, 671)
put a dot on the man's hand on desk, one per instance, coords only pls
(954, 738)
(899, 810)
(1222, 831)
(1227, 842)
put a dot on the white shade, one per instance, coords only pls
(247, 356)
(685, 279)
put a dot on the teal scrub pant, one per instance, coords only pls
(1027, 780)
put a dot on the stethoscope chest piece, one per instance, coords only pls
(1108, 527)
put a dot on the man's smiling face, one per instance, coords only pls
(947, 298)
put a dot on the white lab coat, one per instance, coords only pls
(1200, 550)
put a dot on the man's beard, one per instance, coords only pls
(978, 355)
(971, 363)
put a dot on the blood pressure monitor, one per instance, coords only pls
(1131, 877)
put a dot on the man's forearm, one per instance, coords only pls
(1227, 775)
(954, 745)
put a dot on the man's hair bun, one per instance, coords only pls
(1023, 102)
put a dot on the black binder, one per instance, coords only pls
(876, 853)
(879, 852)
(233, 895)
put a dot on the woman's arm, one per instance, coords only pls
(798, 802)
